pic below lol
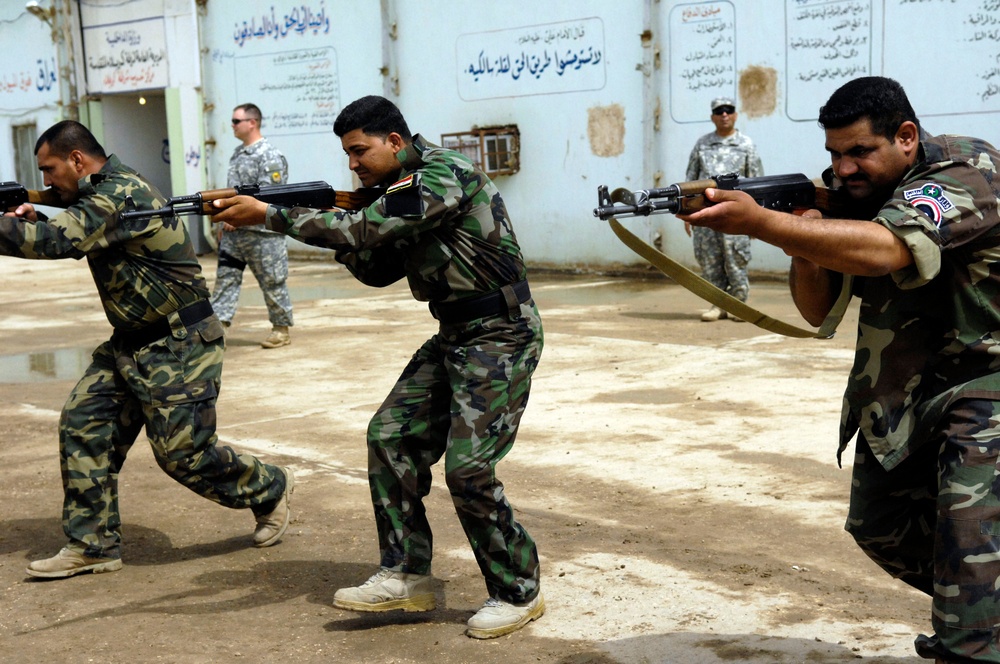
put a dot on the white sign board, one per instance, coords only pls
(126, 56)
(532, 60)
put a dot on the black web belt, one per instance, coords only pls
(189, 315)
(504, 302)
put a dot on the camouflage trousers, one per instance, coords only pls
(462, 396)
(934, 522)
(170, 388)
(723, 259)
(266, 254)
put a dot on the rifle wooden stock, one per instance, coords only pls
(357, 199)
(834, 203)
(13, 194)
(45, 197)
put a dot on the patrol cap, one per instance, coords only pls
(723, 101)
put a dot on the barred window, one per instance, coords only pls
(25, 166)
(496, 150)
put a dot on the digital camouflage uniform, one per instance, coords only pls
(144, 271)
(265, 253)
(723, 258)
(445, 228)
(924, 397)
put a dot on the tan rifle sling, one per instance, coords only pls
(707, 291)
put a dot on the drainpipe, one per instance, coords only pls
(389, 71)
(62, 17)
(651, 173)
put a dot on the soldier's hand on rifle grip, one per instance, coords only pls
(731, 211)
(239, 211)
(23, 211)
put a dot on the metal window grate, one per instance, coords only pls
(496, 150)
(25, 167)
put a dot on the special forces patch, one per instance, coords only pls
(402, 198)
(930, 200)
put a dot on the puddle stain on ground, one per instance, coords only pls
(63, 364)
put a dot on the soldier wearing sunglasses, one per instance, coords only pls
(723, 258)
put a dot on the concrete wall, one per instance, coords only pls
(602, 93)
(29, 89)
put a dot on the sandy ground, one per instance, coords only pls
(679, 477)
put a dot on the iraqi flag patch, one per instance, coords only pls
(402, 198)
(930, 200)
(400, 185)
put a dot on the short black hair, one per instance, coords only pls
(251, 111)
(882, 100)
(68, 135)
(373, 115)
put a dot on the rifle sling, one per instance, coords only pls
(709, 292)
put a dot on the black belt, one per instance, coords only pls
(189, 315)
(503, 302)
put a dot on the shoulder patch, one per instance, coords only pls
(930, 200)
(276, 177)
(406, 182)
(402, 198)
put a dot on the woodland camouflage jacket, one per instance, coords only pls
(442, 225)
(143, 270)
(930, 333)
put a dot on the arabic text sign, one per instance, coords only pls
(126, 56)
(962, 74)
(829, 42)
(300, 20)
(28, 86)
(532, 60)
(702, 58)
(299, 91)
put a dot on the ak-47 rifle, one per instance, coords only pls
(318, 195)
(788, 193)
(13, 194)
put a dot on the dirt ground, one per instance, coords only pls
(679, 477)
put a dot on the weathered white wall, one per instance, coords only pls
(300, 62)
(29, 91)
(603, 93)
(581, 125)
(628, 120)
(783, 58)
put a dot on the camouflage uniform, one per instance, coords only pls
(145, 273)
(723, 258)
(266, 253)
(445, 228)
(924, 398)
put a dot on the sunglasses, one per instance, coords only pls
(236, 121)
(724, 109)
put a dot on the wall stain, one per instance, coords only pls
(606, 130)
(758, 90)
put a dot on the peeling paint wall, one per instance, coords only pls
(606, 130)
(758, 91)
(602, 93)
